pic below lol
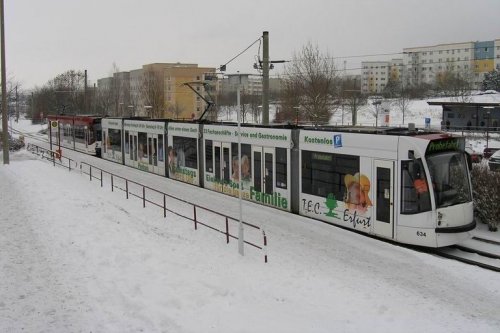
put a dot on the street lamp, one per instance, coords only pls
(131, 108)
(488, 113)
(297, 109)
(376, 103)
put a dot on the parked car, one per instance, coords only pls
(489, 151)
(494, 162)
(474, 155)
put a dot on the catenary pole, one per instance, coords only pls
(265, 78)
(4, 90)
(240, 183)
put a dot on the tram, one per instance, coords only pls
(78, 132)
(403, 184)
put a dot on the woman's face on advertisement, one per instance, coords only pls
(355, 193)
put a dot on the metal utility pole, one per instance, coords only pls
(240, 183)
(265, 78)
(85, 105)
(5, 126)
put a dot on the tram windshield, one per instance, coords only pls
(450, 178)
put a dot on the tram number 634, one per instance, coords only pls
(421, 234)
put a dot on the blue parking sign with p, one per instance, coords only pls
(337, 140)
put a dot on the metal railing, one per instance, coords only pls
(199, 215)
(55, 157)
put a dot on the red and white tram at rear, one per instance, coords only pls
(78, 132)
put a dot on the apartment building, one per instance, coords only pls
(249, 84)
(497, 54)
(158, 90)
(374, 76)
(426, 64)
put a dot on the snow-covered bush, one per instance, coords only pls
(486, 188)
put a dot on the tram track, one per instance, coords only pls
(475, 251)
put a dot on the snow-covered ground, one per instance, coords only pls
(77, 257)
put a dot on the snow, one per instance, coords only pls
(78, 257)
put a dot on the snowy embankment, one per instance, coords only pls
(76, 257)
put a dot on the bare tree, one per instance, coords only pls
(457, 84)
(104, 101)
(152, 92)
(309, 86)
(69, 91)
(176, 109)
(352, 98)
(403, 102)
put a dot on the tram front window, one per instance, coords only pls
(415, 197)
(450, 178)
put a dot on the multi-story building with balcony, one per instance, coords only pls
(374, 76)
(424, 65)
(427, 64)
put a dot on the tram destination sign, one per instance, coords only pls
(442, 145)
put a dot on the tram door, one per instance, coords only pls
(263, 169)
(153, 153)
(384, 198)
(222, 158)
(133, 149)
(87, 137)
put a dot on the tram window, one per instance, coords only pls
(115, 139)
(186, 152)
(209, 158)
(324, 173)
(246, 161)
(98, 131)
(127, 144)
(80, 133)
(142, 139)
(281, 168)
(91, 135)
(135, 147)
(104, 146)
(160, 147)
(150, 149)
(155, 153)
(415, 196)
(217, 162)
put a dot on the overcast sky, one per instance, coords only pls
(46, 38)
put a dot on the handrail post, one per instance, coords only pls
(265, 245)
(126, 187)
(101, 178)
(69, 164)
(90, 172)
(227, 230)
(112, 186)
(164, 205)
(195, 222)
(143, 197)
